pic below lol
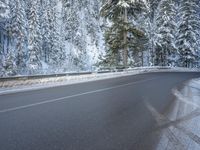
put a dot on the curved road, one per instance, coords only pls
(125, 113)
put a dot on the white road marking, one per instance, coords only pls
(72, 96)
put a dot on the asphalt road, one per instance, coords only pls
(111, 114)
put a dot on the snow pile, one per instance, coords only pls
(166, 68)
(195, 83)
(31, 84)
(183, 128)
(67, 79)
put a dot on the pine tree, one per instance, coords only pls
(70, 28)
(82, 32)
(119, 36)
(151, 28)
(56, 53)
(54, 37)
(188, 33)
(166, 27)
(18, 27)
(10, 65)
(8, 29)
(2, 60)
(4, 15)
(153, 5)
(197, 62)
(45, 30)
(34, 48)
(4, 7)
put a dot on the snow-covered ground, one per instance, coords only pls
(31, 84)
(183, 120)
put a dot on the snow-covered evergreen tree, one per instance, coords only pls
(153, 5)
(188, 33)
(120, 35)
(56, 53)
(165, 37)
(5, 10)
(83, 35)
(9, 65)
(153, 8)
(45, 29)
(2, 60)
(4, 15)
(34, 49)
(18, 26)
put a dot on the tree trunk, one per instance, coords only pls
(125, 52)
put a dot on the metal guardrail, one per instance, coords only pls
(43, 76)
(54, 75)
(108, 70)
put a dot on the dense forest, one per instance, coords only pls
(54, 36)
